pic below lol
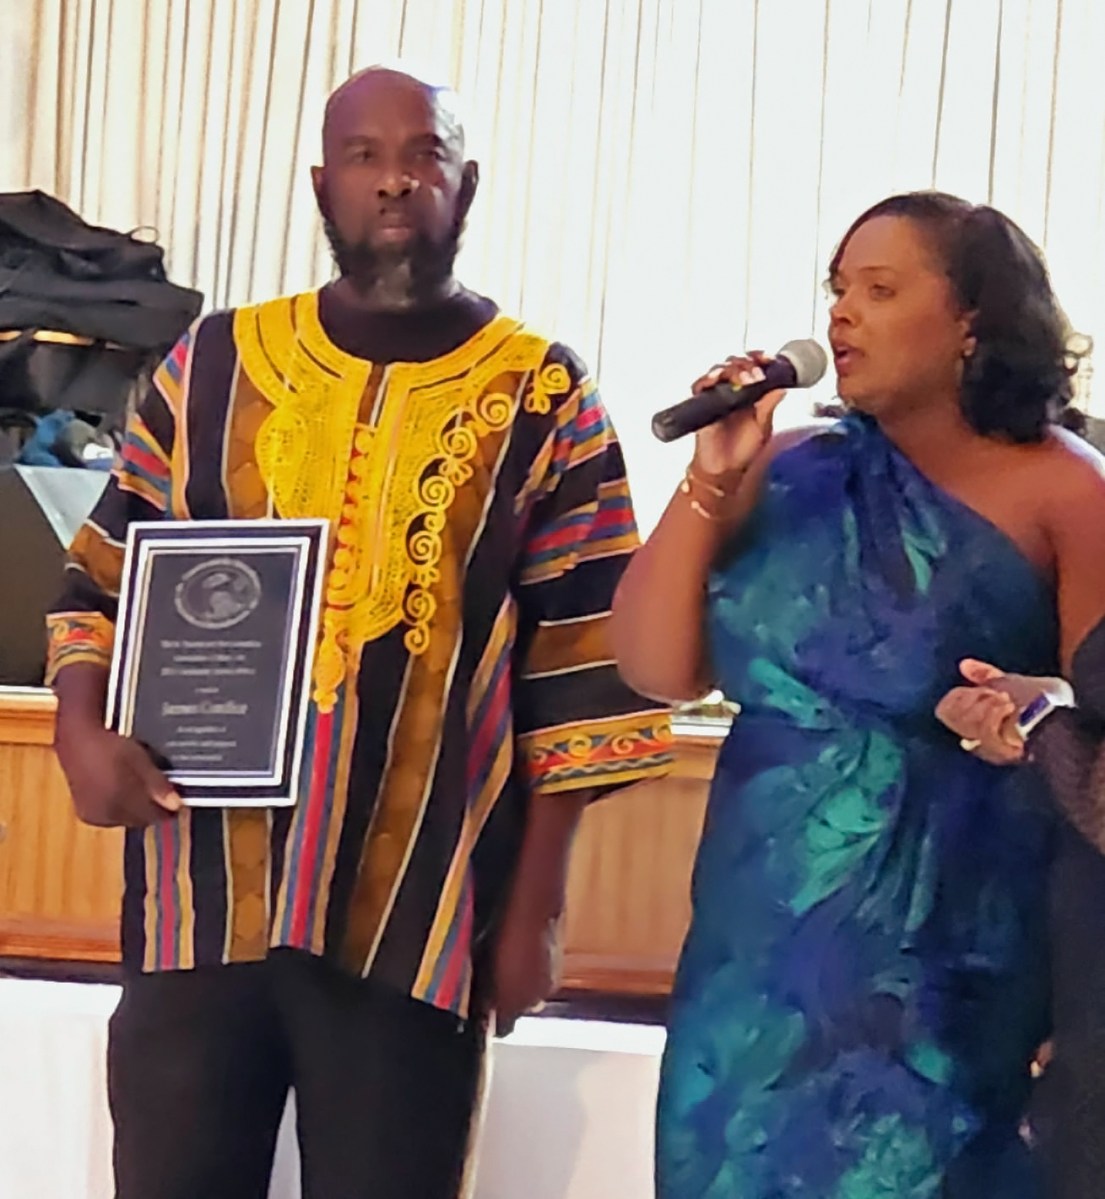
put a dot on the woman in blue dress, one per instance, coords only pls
(864, 984)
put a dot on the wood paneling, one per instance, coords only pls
(629, 883)
(59, 879)
(628, 892)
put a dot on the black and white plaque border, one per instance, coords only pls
(150, 546)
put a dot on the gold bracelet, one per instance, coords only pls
(690, 479)
(697, 507)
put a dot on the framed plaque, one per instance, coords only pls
(214, 648)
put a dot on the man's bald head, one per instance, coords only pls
(378, 85)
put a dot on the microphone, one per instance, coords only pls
(798, 364)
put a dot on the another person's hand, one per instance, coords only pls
(730, 446)
(112, 779)
(1022, 689)
(984, 715)
(526, 967)
(985, 722)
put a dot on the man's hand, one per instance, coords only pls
(526, 969)
(526, 958)
(112, 779)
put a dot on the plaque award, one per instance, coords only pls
(214, 647)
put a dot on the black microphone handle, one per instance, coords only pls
(710, 405)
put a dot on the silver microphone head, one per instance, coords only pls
(809, 360)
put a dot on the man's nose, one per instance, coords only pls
(395, 184)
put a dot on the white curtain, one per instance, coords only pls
(664, 180)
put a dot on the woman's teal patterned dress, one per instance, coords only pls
(865, 979)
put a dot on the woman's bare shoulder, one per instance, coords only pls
(1066, 485)
(1069, 467)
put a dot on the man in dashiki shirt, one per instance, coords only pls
(465, 705)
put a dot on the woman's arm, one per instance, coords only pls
(658, 609)
(656, 627)
(1074, 513)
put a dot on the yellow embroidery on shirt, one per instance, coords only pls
(553, 380)
(303, 445)
(387, 484)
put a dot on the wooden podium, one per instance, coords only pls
(628, 891)
(60, 880)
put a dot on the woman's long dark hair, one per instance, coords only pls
(1017, 381)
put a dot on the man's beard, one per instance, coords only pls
(401, 278)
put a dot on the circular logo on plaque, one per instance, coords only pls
(218, 594)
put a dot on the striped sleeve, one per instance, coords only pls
(578, 724)
(81, 625)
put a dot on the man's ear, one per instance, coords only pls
(318, 182)
(469, 183)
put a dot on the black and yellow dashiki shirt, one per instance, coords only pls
(481, 519)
